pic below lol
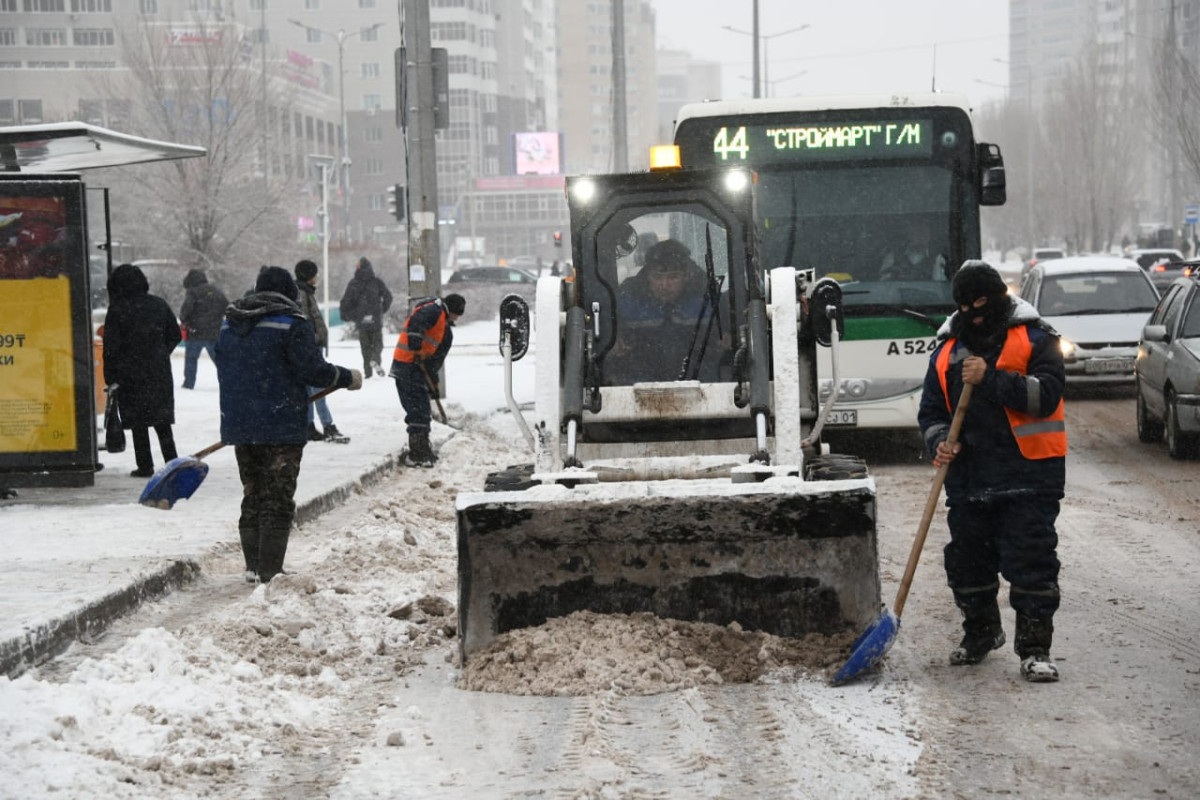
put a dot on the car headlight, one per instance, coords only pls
(1068, 348)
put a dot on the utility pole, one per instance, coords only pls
(620, 126)
(424, 254)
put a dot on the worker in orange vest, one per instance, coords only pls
(1007, 472)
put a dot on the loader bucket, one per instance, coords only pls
(783, 556)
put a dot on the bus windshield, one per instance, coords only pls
(886, 233)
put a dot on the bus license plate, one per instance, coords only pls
(840, 416)
(1108, 365)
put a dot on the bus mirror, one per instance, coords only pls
(825, 307)
(992, 184)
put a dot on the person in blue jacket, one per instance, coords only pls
(267, 357)
(1006, 474)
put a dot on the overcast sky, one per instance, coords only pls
(850, 46)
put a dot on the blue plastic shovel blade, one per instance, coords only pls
(177, 480)
(869, 648)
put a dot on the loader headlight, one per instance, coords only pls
(584, 191)
(736, 180)
(1068, 349)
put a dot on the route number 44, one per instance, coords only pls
(723, 145)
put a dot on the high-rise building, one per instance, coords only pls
(586, 81)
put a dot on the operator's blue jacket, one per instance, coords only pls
(267, 356)
(990, 465)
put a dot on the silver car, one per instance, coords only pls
(1098, 305)
(1168, 371)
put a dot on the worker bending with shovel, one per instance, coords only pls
(1007, 471)
(421, 349)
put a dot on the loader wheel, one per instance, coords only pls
(835, 467)
(516, 478)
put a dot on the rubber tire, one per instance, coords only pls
(835, 467)
(516, 478)
(1179, 444)
(1148, 430)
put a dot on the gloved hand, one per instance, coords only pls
(368, 319)
(355, 380)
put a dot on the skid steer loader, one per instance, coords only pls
(677, 462)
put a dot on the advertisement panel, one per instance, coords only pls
(537, 153)
(47, 418)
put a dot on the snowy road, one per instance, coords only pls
(339, 681)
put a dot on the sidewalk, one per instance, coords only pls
(73, 560)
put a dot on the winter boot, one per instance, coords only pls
(420, 452)
(1032, 644)
(982, 631)
(314, 435)
(332, 434)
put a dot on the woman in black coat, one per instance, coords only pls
(140, 331)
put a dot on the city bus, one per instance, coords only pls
(848, 186)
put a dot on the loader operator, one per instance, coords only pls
(658, 310)
(1007, 471)
(421, 349)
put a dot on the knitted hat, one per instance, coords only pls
(455, 303)
(277, 279)
(305, 270)
(669, 255)
(976, 279)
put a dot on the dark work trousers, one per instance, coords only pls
(141, 445)
(268, 473)
(191, 358)
(414, 396)
(1010, 536)
(370, 341)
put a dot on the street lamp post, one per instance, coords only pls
(344, 163)
(324, 162)
(765, 38)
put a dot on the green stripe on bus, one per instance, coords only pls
(858, 328)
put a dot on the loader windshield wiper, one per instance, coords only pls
(712, 296)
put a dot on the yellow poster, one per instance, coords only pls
(37, 393)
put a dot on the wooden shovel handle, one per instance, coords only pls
(212, 448)
(433, 392)
(935, 492)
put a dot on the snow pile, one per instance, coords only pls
(638, 654)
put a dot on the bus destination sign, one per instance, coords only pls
(761, 144)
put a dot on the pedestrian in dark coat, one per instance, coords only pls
(1007, 472)
(201, 314)
(140, 332)
(421, 349)
(364, 303)
(306, 282)
(267, 357)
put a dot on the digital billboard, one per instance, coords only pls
(537, 153)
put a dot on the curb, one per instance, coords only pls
(43, 642)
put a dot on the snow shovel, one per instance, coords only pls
(180, 477)
(433, 392)
(870, 648)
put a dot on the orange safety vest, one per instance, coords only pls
(431, 339)
(1037, 437)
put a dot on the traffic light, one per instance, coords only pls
(395, 201)
(558, 238)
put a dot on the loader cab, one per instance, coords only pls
(661, 274)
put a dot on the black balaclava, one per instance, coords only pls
(974, 280)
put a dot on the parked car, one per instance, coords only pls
(1163, 265)
(1168, 371)
(491, 275)
(1098, 305)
